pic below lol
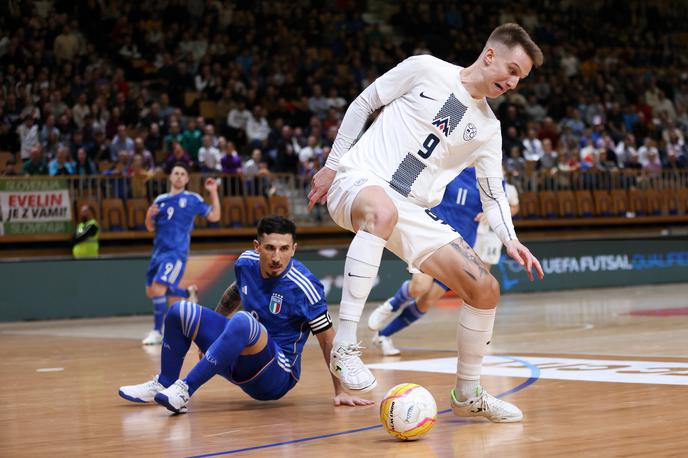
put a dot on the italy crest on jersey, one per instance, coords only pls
(182, 202)
(276, 303)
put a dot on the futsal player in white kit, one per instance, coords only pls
(435, 123)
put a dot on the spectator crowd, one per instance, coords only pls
(256, 87)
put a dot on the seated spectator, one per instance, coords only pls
(139, 176)
(192, 139)
(10, 168)
(121, 142)
(62, 164)
(532, 147)
(606, 162)
(28, 136)
(52, 145)
(230, 159)
(257, 174)
(83, 165)
(310, 152)
(237, 120)
(649, 147)
(515, 164)
(146, 155)
(652, 168)
(178, 155)
(549, 155)
(153, 140)
(175, 135)
(317, 103)
(209, 156)
(257, 128)
(35, 164)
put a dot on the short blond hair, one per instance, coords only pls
(512, 34)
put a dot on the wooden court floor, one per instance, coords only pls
(599, 372)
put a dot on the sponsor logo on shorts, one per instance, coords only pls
(360, 181)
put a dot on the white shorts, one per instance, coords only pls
(417, 234)
(488, 247)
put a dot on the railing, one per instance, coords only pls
(296, 187)
(101, 187)
(542, 180)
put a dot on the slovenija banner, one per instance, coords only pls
(35, 206)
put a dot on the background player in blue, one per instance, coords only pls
(460, 208)
(171, 217)
(258, 348)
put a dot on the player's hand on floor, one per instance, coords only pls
(319, 186)
(345, 399)
(524, 257)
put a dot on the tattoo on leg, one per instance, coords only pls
(467, 252)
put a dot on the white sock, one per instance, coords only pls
(360, 271)
(346, 331)
(473, 337)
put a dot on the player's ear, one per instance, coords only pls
(256, 244)
(293, 248)
(489, 56)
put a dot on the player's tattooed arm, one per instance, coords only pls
(467, 252)
(230, 300)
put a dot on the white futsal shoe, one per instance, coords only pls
(385, 344)
(145, 392)
(379, 316)
(346, 365)
(153, 338)
(488, 406)
(175, 397)
(193, 293)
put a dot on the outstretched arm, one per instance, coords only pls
(230, 300)
(211, 186)
(341, 397)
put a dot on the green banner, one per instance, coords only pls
(35, 206)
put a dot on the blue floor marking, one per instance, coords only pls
(534, 376)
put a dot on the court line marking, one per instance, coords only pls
(534, 376)
(50, 369)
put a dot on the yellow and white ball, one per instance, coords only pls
(408, 411)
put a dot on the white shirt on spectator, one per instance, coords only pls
(238, 119)
(257, 129)
(28, 136)
(532, 149)
(210, 157)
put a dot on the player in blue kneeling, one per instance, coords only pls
(258, 348)
(459, 209)
(171, 216)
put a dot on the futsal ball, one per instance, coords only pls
(408, 411)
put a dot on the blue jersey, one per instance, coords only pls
(289, 306)
(174, 222)
(460, 204)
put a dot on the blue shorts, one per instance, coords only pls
(264, 376)
(167, 270)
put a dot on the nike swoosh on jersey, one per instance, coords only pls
(357, 276)
(422, 94)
